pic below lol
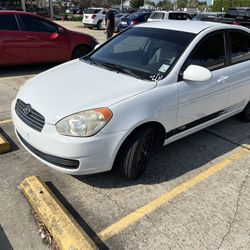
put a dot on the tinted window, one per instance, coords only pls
(35, 24)
(157, 15)
(240, 46)
(177, 16)
(210, 53)
(8, 22)
(91, 11)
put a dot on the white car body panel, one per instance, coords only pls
(78, 86)
(78, 91)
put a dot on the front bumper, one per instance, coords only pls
(86, 155)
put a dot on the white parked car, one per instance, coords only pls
(152, 84)
(160, 15)
(93, 17)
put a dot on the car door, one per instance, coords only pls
(200, 102)
(238, 74)
(46, 43)
(13, 45)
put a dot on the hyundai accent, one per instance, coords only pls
(148, 86)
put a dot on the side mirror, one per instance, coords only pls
(97, 45)
(197, 74)
(61, 30)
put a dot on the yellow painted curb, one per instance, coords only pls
(61, 225)
(4, 145)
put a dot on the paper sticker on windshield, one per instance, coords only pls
(163, 68)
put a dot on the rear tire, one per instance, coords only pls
(80, 51)
(99, 25)
(245, 114)
(135, 153)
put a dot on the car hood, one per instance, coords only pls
(76, 86)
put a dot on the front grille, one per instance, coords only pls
(31, 117)
(58, 161)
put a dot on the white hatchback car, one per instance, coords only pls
(152, 84)
(93, 17)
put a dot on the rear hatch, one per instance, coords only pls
(90, 14)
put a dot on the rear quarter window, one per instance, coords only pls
(8, 22)
(240, 46)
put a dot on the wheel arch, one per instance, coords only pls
(160, 136)
(78, 46)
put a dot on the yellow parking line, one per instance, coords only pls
(138, 214)
(5, 121)
(62, 226)
(5, 146)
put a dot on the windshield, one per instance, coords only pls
(91, 11)
(145, 53)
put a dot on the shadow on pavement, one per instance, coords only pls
(14, 146)
(181, 157)
(4, 242)
(84, 225)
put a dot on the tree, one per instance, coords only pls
(166, 5)
(181, 4)
(136, 3)
(223, 5)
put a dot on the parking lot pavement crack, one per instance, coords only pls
(109, 198)
(236, 209)
(226, 139)
(160, 231)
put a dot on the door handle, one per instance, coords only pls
(222, 78)
(31, 37)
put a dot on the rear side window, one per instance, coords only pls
(176, 16)
(240, 46)
(35, 24)
(209, 53)
(8, 22)
(157, 15)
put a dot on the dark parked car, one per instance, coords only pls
(133, 19)
(27, 38)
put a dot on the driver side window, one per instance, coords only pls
(35, 24)
(209, 53)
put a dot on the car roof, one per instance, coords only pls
(168, 11)
(12, 12)
(185, 25)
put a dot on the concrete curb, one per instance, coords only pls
(5, 146)
(61, 225)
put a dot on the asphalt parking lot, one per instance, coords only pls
(195, 193)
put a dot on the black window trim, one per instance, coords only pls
(226, 60)
(228, 38)
(18, 24)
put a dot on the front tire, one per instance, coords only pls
(245, 114)
(99, 25)
(135, 153)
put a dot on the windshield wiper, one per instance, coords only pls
(120, 69)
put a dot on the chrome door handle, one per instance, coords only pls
(222, 78)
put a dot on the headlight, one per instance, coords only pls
(85, 123)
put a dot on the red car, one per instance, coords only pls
(26, 38)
